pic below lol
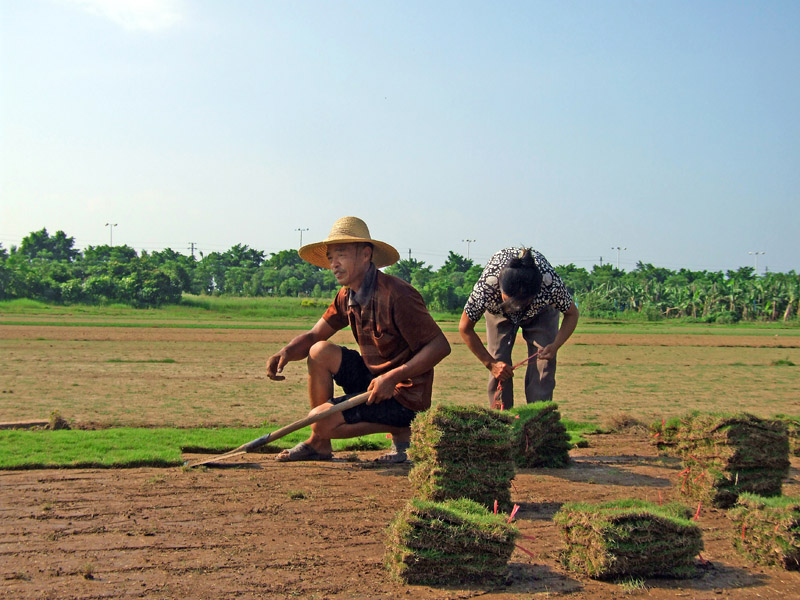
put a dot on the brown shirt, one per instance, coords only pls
(390, 323)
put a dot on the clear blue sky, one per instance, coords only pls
(669, 128)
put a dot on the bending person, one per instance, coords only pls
(519, 289)
(398, 340)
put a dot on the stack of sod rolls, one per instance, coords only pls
(726, 455)
(629, 538)
(462, 452)
(767, 530)
(456, 541)
(540, 438)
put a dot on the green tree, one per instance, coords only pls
(39, 244)
(577, 279)
(404, 268)
(456, 263)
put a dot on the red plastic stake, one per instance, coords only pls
(528, 552)
(692, 456)
(513, 513)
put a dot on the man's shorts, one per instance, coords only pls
(354, 377)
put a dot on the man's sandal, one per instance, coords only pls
(395, 456)
(300, 452)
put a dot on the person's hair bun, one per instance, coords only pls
(524, 260)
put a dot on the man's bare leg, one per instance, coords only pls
(324, 360)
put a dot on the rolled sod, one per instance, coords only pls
(462, 452)
(540, 438)
(456, 541)
(726, 455)
(767, 530)
(629, 538)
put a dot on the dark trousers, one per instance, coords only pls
(540, 375)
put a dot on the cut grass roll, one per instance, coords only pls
(629, 538)
(767, 530)
(462, 452)
(456, 541)
(540, 438)
(725, 455)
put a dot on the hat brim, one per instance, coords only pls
(383, 254)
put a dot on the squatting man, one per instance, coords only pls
(399, 344)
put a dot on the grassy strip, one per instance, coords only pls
(576, 430)
(136, 447)
(208, 311)
(446, 322)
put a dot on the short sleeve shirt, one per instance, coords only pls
(486, 294)
(390, 324)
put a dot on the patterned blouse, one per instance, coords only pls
(486, 295)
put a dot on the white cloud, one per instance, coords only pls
(135, 15)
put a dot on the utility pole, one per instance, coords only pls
(756, 253)
(301, 230)
(191, 247)
(468, 243)
(618, 249)
(409, 254)
(111, 233)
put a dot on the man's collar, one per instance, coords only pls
(364, 293)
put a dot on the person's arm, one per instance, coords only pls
(298, 348)
(568, 324)
(424, 360)
(500, 370)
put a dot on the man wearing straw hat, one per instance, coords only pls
(399, 345)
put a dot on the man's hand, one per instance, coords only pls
(275, 364)
(382, 388)
(297, 349)
(501, 371)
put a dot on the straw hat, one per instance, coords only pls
(348, 230)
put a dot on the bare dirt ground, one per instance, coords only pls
(261, 529)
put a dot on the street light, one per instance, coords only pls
(111, 233)
(301, 230)
(617, 248)
(468, 243)
(755, 254)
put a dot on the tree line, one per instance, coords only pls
(49, 268)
